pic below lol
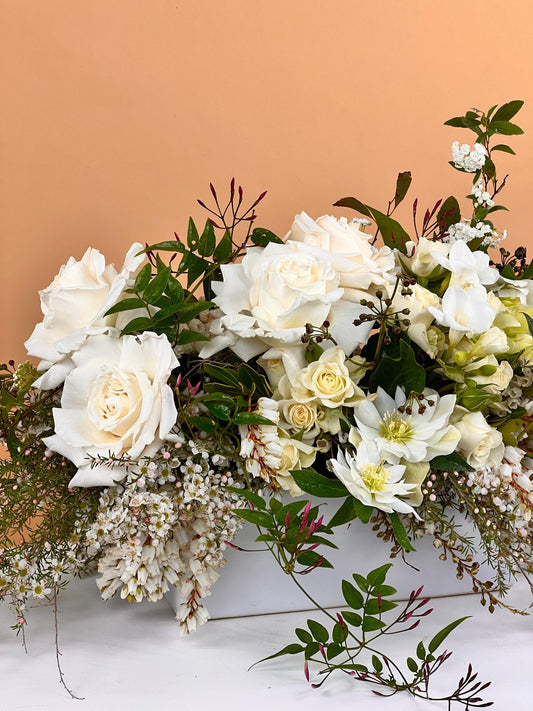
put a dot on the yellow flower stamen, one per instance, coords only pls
(395, 429)
(375, 477)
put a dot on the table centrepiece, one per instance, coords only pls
(387, 373)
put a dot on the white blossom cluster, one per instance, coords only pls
(515, 394)
(482, 198)
(468, 159)
(508, 489)
(166, 524)
(466, 232)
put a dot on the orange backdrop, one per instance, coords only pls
(117, 114)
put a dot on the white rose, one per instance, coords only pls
(116, 400)
(421, 260)
(273, 293)
(494, 382)
(295, 455)
(480, 444)
(490, 342)
(74, 307)
(330, 381)
(362, 267)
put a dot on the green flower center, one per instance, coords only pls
(395, 429)
(375, 477)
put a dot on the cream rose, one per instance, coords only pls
(115, 400)
(273, 293)
(294, 455)
(74, 307)
(362, 267)
(330, 381)
(421, 257)
(480, 444)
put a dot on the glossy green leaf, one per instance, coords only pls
(450, 462)
(259, 518)
(318, 631)
(143, 278)
(352, 596)
(137, 324)
(400, 534)
(371, 624)
(506, 128)
(157, 286)
(403, 182)
(378, 575)
(508, 110)
(318, 485)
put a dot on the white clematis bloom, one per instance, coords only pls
(373, 480)
(74, 307)
(273, 293)
(415, 437)
(115, 400)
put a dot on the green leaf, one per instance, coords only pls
(377, 664)
(318, 631)
(377, 607)
(205, 424)
(449, 213)
(189, 311)
(289, 649)
(400, 533)
(392, 233)
(262, 237)
(361, 582)
(403, 182)
(143, 277)
(318, 485)
(506, 128)
(223, 375)
(137, 324)
(207, 242)
(385, 590)
(174, 290)
(311, 649)
(126, 305)
(218, 409)
(439, 638)
(193, 237)
(312, 558)
(166, 246)
(502, 147)
(303, 635)
(224, 248)
(529, 322)
(333, 650)
(251, 418)
(378, 575)
(450, 462)
(345, 513)
(371, 624)
(456, 122)
(403, 371)
(352, 596)
(421, 651)
(412, 665)
(259, 518)
(253, 381)
(507, 111)
(157, 286)
(352, 618)
(185, 337)
(339, 633)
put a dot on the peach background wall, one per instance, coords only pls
(117, 114)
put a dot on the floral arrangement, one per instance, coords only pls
(178, 399)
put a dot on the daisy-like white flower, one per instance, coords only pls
(373, 480)
(416, 433)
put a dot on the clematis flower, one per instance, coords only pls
(372, 479)
(415, 437)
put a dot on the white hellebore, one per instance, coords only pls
(273, 293)
(116, 400)
(373, 480)
(415, 437)
(74, 307)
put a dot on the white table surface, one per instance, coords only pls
(121, 656)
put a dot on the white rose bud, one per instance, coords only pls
(480, 444)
